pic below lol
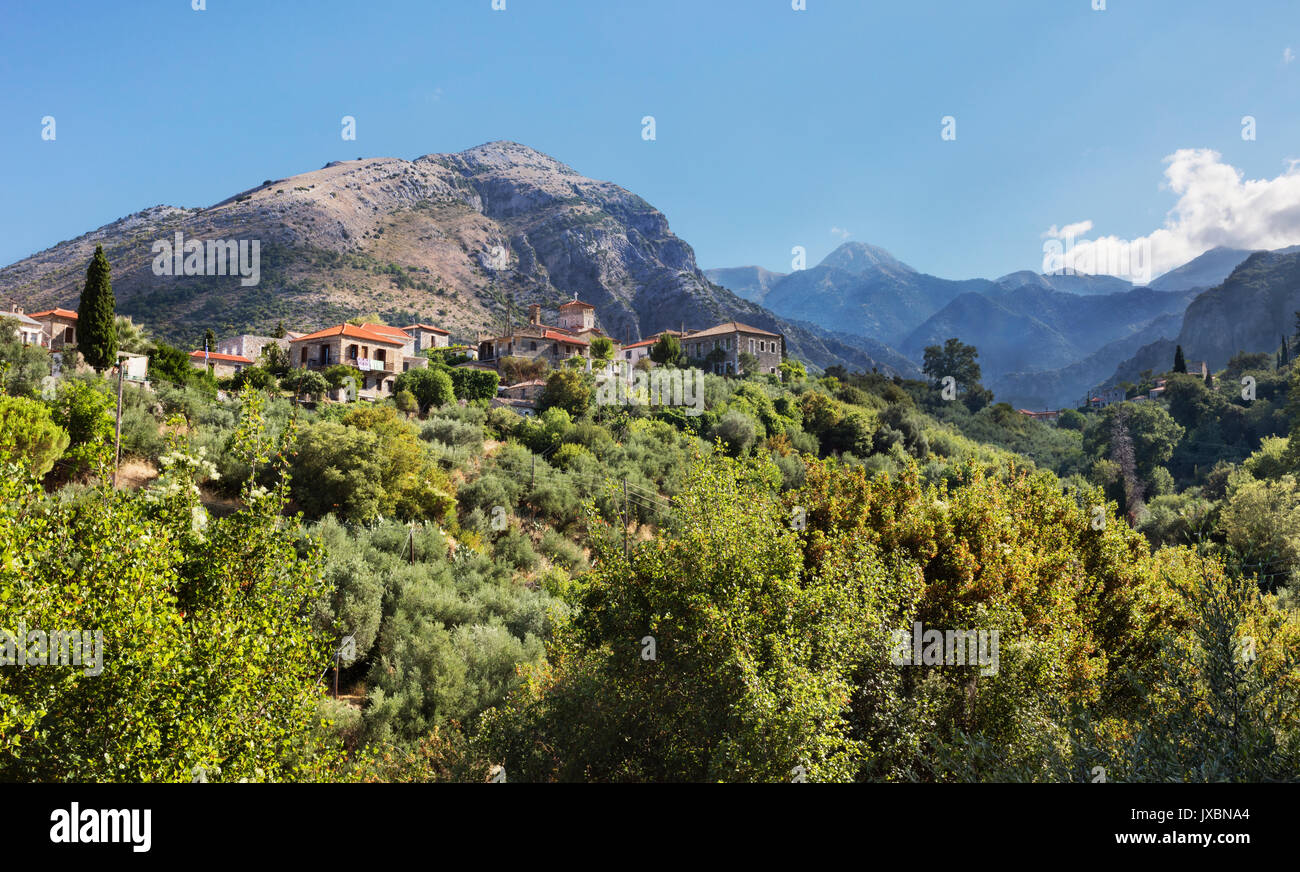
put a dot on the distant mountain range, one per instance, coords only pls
(1044, 340)
(464, 240)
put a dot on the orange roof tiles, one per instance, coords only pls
(354, 332)
(224, 358)
(60, 313)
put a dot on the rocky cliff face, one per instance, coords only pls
(1250, 311)
(464, 240)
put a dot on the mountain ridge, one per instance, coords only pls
(462, 239)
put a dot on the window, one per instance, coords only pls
(532, 346)
(751, 346)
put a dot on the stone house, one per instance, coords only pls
(427, 336)
(734, 339)
(525, 390)
(377, 354)
(250, 346)
(571, 337)
(60, 327)
(222, 365)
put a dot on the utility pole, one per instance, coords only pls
(533, 482)
(411, 540)
(625, 518)
(117, 435)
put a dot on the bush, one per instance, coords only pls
(737, 430)
(28, 436)
(451, 432)
(567, 390)
(431, 387)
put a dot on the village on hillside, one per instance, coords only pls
(378, 353)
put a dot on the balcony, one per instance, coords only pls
(370, 364)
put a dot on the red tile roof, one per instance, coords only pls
(577, 304)
(395, 332)
(61, 313)
(354, 332)
(564, 337)
(224, 358)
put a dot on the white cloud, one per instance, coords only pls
(1287, 55)
(1216, 206)
(840, 232)
(1075, 229)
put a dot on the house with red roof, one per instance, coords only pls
(377, 352)
(571, 337)
(221, 365)
(59, 327)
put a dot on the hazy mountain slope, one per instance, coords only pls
(1007, 340)
(1067, 284)
(1207, 271)
(862, 290)
(1058, 388)
(1030, 327)
(464, 240)
(750, 282)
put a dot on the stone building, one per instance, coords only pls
(733, 339)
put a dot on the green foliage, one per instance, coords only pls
(23, 368)
(171, 366)
(96, 320)
(306, 383)
(667, 351)
(85, 409)
(204, 660)
(474, 384)
(369, 466)
(257, 377)
(29, 437)
(431, 387)
(745, 680)
(567, 390)
(602, 348)
(956, 359)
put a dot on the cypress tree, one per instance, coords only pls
(96, 319)
(1286, 352)
(1180, 363)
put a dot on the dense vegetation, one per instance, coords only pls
(636, 592)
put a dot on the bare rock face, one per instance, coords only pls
(464, 240)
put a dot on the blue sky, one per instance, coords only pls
(773, 125)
